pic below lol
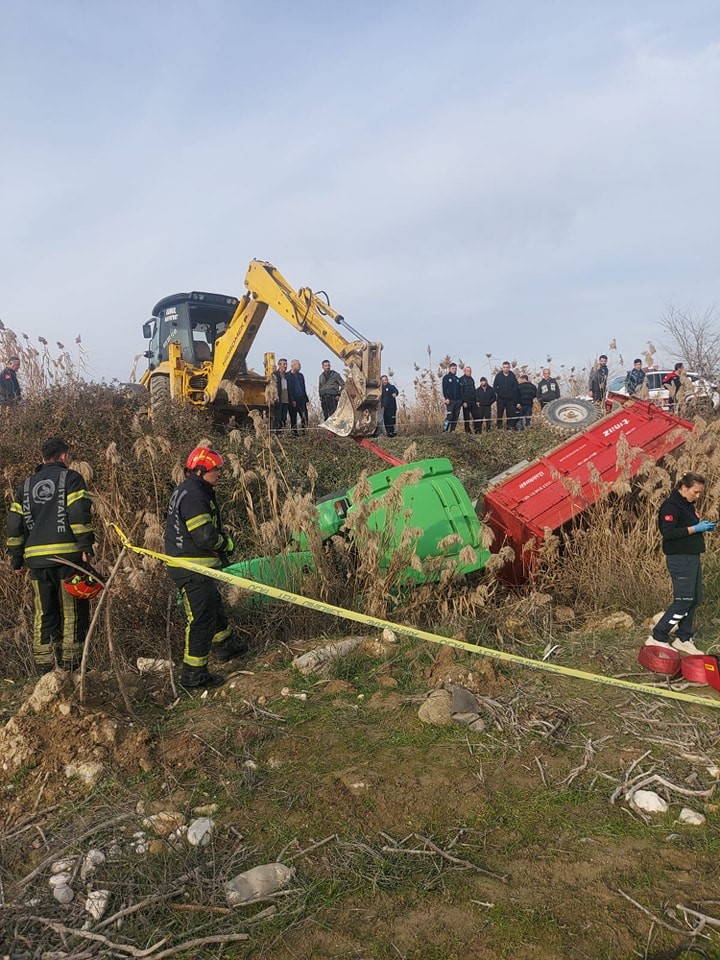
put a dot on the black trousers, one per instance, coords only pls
(469, 413)
(329, 405)
(205, 615)
(505, 408)
(280, 415)
(390, 420)
(484, 418)
(298, 410)
(686, 574)
(451, 416)
(60, 622)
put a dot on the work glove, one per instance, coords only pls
(705, 526)
(229, 545)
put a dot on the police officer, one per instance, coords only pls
(49, 521)
(194, 531)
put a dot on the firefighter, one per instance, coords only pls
(194, 531)
(49, 521)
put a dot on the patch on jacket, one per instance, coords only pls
(668, 517)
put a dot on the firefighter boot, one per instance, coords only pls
(194, 677)
(229, 649)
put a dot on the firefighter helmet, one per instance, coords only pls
(203, 458)
(83, 586)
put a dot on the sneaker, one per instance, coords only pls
(687, 646)
(652, 642)
(193, 678)
(229, 649)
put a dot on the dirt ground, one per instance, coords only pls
(423, 841)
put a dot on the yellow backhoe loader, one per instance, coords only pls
(199, 344)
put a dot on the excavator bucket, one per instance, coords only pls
(358, 408)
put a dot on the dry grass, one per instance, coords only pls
(609, 559)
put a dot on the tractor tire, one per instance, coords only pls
(159, 395)
(571, 415)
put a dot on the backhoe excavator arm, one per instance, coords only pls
(360, 400)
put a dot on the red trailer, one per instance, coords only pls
(549, 492)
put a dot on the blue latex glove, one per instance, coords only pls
(704, 526)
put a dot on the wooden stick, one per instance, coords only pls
(93, 622)
(655, 919)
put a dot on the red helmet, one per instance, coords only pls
(203, 458)
(83, 586)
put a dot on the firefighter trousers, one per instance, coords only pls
(206, 622)
(60, 622)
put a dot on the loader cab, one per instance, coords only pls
(195, 320)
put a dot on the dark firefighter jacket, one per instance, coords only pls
(49, 517)
(194, 526)
(674, 518)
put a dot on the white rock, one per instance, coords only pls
(206, 810)
(115, 852)
(150, 665)
(89, 772)
(63, 894)
(388, 635)
(60, 879)
(714, 772)
(93, 859)
(97, 903)
(649, 801)
(250, 765)
(692, 817)
(200, 832)
(259, 882)
(63, 866)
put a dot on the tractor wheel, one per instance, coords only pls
(159, 394)
(570, 416)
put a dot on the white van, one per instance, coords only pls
(693, 389)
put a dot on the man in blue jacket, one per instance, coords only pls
(452, 394)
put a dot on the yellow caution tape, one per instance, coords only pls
(286, 597)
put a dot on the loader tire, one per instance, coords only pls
(159, 395)
(571, 415)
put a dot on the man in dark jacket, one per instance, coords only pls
(330, 387)
(298, 397)
(48, 522)
(452, 396)
(281, 406)
(683, 543)
(194, 531)
(635, 378)
(599, 379)
(548, 388)
(9, 387)
(507, 397)
(467, 395)
(484, 399)
(388, 406)
(528, 392)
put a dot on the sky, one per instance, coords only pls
(520, 180)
